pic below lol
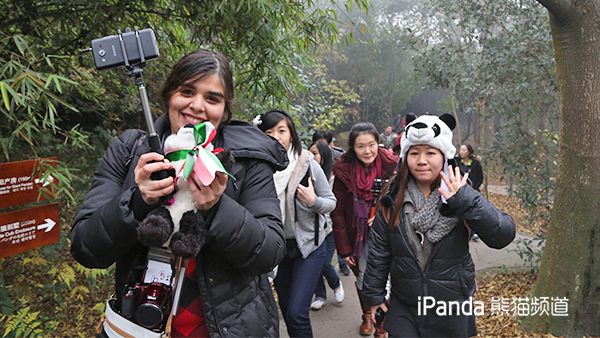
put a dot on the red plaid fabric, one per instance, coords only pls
(190, 321)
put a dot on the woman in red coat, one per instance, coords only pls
(355, 173)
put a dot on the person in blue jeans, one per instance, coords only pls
(324, 156)
(327, 137)
(304, 196)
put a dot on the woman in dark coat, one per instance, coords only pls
(355, 173)
(226, 292)
(468, 163)
(420, 237)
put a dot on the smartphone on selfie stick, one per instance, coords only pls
(132, 49)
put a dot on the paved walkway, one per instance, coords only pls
(343, 320)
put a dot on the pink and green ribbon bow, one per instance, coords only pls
(197, 159)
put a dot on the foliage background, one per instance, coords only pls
(330, 63)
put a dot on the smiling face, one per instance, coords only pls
(197, 101)
(281, 132)
(365, 147)
(425, 164)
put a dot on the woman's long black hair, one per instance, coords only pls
(396, 189)
(326, 157)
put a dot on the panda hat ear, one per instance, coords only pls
(449, 120)
(409, 118)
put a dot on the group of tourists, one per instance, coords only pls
(274, 208)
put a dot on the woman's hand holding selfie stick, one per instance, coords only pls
(152, 189)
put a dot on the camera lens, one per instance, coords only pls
(102, 52)
(149, 315)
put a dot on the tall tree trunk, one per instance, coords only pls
(477, 129)
(571, 262)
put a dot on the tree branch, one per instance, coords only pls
(527, 51)
(560, 9)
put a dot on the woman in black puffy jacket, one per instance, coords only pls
(226, 292)
(468, 163)
(420, 236)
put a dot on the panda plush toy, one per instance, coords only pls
(178, 223)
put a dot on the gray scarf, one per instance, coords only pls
(428, 220)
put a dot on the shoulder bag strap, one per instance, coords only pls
(176, 282)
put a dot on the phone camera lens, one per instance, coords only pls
(101, 52)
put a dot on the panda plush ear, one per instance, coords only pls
(409, 118)
(449, 120)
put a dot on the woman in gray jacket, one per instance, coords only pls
(304, 195)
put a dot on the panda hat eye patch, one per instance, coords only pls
(436, 130)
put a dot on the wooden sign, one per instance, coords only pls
(16, 184)
(28, 229)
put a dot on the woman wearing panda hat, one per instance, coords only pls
(421, 236)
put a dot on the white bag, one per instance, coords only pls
(117, 326)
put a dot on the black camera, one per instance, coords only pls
(378, 186)
(147, 304)
(137, 46)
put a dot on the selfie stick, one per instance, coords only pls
(137, 72)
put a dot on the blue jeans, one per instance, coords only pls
(340, 259)
(295, 283)
(328, 271)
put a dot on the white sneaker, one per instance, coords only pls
(317, 304)
(339, 294)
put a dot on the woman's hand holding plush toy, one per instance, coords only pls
(152, 191)
(206, 197)
(454, 182)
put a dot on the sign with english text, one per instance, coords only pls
(17, 186)
(28, 229)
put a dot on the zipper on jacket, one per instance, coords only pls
(206, 283)
(137, 142)
(402, 230)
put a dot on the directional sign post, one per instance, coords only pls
(28, 229)
(16, 184)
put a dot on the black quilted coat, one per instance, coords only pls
(449, 273)
(245, 239)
